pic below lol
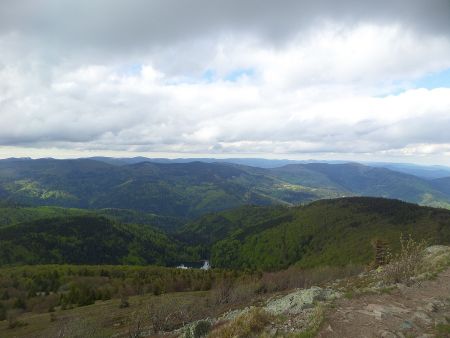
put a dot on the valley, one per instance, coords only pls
(80, 235)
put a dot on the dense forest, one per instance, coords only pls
(326, 232)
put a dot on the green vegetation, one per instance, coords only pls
(324, 233)
(43, 288)
(329, 232)
(174, 191)
(86, 240)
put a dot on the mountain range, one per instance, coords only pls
(189, 190)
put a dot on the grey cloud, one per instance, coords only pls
(134, 23)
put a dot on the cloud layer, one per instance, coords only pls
(226, 77)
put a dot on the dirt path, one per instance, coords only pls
(404, 312)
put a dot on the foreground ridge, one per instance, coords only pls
(363, 306)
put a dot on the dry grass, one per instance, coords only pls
(295, 277)
(250, 324)
(406, 264)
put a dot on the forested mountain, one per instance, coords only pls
(86, 239)
(326, 232)
(442, 184)
(189, 190)
(181, 189)
(358, 179)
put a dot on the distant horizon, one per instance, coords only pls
(234, 157)
(324, 80)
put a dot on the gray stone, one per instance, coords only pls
(421, 317)
(382, 311)
(296, 302)
(406, 325)
(431, 307)
(387, 334)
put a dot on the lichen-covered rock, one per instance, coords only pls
(437, 256)
(299, 300)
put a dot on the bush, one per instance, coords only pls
(13, 320)
(221, 292)
(406, 264)
(124, 302)
(198, 330)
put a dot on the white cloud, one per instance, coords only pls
(325, 88)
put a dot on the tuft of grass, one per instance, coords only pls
(315, 323)
(443, 330)
(250, 324)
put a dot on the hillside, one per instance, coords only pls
(16, 213)
(86, 239)
(357, 179)
(180, 189)
(328, 232)
(189, 190)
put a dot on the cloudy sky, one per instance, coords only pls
(323, 79)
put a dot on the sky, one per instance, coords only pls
(323, 79)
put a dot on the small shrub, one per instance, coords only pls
(124, 303)
(221, 292)
(406, 264)
(381, 253)
(2, 312)
(13, 320)
(198, 330)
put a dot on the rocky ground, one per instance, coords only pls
(419, 310)
(365, 306)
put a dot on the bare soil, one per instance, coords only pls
(422, 310)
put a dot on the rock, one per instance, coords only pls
(431, 307)
(421, 317)
(436, 249)
(406, 325)
(296, 302)
(273, 332)
(381, 311)
(387, 334)
(232, 314)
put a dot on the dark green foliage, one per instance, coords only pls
(201, 329)
(86, 240)
(329, 232)
(2, 311)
